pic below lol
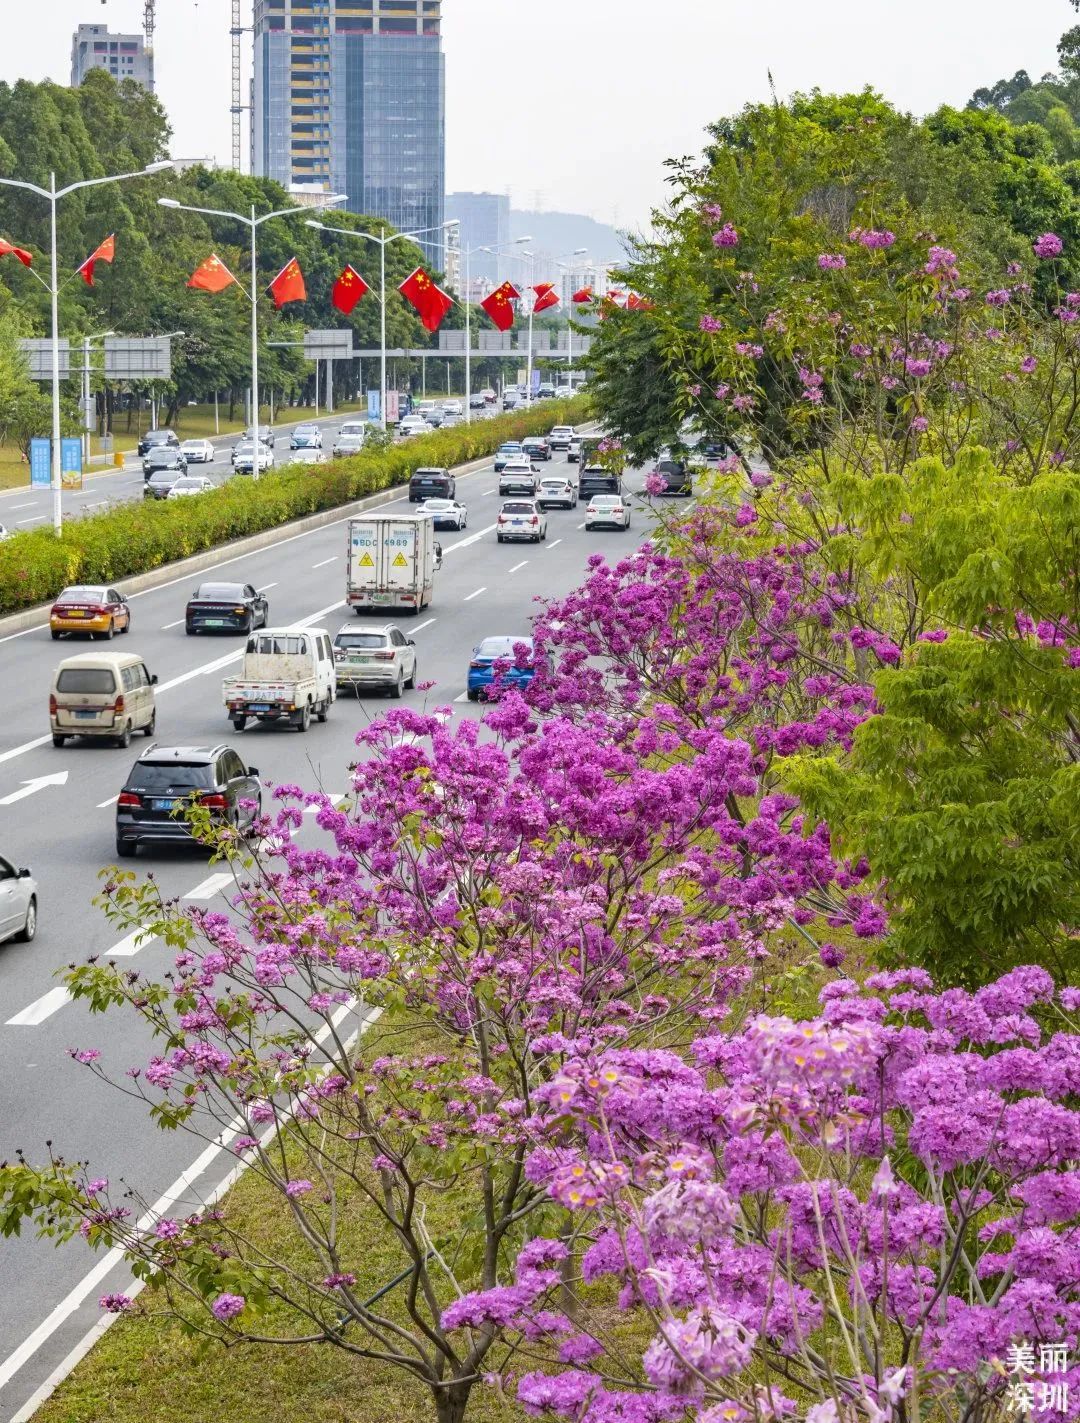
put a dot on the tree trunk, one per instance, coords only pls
(451, 1402)
(232, 402)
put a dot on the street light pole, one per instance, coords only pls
(52, 194)
(253, 223)
(383, 242)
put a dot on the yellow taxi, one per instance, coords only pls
(95, 610)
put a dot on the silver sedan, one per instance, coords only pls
(18, 903)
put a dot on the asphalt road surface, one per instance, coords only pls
(25, 508)
(65, 834)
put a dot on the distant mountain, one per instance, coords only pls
(557, 232)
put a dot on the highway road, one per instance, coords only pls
(64, 832)
(25, 508)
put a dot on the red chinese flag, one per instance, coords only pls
(430, 301)
(211, 275)
(582, 295)
(20, 252)
(619, 298)
(546, 296)
(348, 289)
(634, 302)
(499, 305)
(103, 253)
(288, 285)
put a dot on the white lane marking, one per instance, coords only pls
(516, 566)
(266, 588)
(166, 626)
(325, 562)
(92, 1280)
(335, 800)
(28, 505)
(104, 805)
(463, 698)
(37, 519)
(421, 626)
(24, 748)
(130, 945)
(467, 599)
(211, 886)
(292, 538)
(42, 1008)
(37, 783)
(581, 526)
(473, 538)
(555, 543)
(486, 492)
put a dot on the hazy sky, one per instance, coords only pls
(574, 104)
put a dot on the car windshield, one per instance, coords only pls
(669, 467)
(438, 506)
(86, 679)
(501, 646)
(307, 430)
(276, 646)
(353, 641)
(163, 476)
(245, 447)
(187, 483)
(518, 508)
(170, 776)
(607, 501)
(510, 449)
(194, 444)
(152, 437)
(81, 594)
(228, 592)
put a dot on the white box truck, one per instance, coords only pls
(392, 561)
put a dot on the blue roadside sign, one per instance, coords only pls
(373, 405)
(40, 463)
(71, 471)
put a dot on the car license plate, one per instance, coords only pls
(259, 706)
(73, 615)
(86, 714)
(162, 804)
(381, 597)
(214, 622)
(517, 523)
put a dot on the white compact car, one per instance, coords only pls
(447, 513)
(18, 903)
(521, 519)
(198, 451)
(374, 657)
(190, 484)
(557, 489)
(608, 511)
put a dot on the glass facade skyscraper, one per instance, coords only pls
(350, 97)
(485, 222)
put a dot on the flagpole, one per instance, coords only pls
(58, 511)
(467, 295)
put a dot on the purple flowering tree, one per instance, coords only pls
(368, 1029)
(870, 1214)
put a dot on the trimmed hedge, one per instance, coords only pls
(133, 538)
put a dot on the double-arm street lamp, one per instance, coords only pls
(253, 223)
(52, 195)
(382, 243)
(529, 257)
(467, 298)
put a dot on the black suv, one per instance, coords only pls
(165, 779)
(158, 437)
(432, 484)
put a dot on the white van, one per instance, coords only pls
(108, 694)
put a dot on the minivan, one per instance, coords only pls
(102, 694)
(431, 483)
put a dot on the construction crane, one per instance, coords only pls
(236, 31)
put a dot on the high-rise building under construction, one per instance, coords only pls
(349, 97)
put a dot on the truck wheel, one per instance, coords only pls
(239, 722)
(324, 707)
(305, 718)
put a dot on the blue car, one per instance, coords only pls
(502, 454)
(491, 650)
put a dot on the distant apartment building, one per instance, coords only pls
(122, 56)
(485, 222)
(349, 97)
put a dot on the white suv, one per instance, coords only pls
(610, 511)
(557, 489)
(374, 657)
(521, 519)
